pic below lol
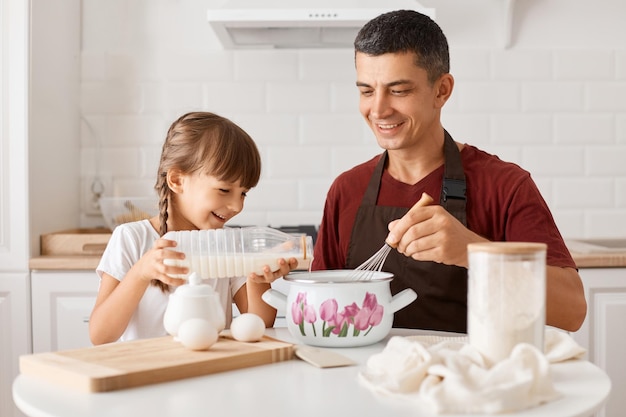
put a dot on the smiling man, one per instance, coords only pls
(402, 68)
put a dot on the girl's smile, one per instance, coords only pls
(203, 201)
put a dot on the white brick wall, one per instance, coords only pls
(554, 103)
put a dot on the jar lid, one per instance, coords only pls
(507, 247)
(195, 287)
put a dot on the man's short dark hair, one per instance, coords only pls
(405, 31)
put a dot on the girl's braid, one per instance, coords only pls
(164, 191)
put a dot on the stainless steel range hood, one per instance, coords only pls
(292, 24)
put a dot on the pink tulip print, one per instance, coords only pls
(336, 322)
(370, 315)
(302, 312)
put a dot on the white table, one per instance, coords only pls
(292, 388)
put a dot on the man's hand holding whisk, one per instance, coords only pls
(427, 232)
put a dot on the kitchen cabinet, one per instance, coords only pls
(604, 331)
(14, 334)
(62, 302)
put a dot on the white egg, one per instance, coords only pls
(197, 334)
(247, 327)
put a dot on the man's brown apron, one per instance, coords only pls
(441, 289)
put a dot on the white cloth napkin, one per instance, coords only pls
(448, 375)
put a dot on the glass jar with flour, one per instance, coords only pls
(506, 297)
(237, 251)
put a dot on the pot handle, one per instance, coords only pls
(401, 299)
(274, 298)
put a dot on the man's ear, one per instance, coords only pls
(444, 86)
(175, 180)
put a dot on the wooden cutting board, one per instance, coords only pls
(122, 365)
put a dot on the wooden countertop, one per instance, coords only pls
(587, 253)
(64, 262)
(600, 260)
(611, 259)
(79, 262)
(598, 253)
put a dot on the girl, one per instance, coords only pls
(207, 166)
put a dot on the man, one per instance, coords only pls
(402, 67)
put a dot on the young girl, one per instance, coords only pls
(207, 166)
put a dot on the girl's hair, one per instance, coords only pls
(210, 144)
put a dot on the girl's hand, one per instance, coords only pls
(152, 263)
(269, 276)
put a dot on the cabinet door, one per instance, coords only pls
(14, 334)
(62, 304)
(604, 331)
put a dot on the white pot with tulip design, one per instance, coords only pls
(332, 309)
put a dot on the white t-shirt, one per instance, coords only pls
(128, 243)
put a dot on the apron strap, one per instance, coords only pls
(371, 193)
(453, 190)
(453, 196)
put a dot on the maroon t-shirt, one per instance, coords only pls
(503, 204)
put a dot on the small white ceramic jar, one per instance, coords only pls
(193, 300)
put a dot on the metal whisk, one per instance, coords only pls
(373, 264)
(367, 270)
